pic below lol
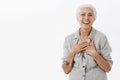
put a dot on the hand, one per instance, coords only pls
(80, 47)
(91, 50)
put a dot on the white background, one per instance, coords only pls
(32, 33)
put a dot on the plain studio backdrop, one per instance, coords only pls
(32, 33)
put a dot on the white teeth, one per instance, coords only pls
(86, 22)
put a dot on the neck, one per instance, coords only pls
(84, 33)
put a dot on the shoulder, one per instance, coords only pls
(100, 39)
(99, 34)
(69, 39)
(70, 36)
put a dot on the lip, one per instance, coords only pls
(85, 23)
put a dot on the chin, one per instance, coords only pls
(86, 27)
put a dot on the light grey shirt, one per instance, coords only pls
(85, 67)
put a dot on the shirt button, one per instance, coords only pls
(83, 66)
(83, 75)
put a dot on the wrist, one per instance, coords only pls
(70, 57)
(94, 54)
(72, 51)
(68, 63)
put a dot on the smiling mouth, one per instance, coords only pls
(86, 23)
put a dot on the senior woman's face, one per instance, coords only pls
(86, 18)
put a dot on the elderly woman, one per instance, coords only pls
(87, 51)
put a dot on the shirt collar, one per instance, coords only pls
(91, 36)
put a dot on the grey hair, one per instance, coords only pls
(86, 6)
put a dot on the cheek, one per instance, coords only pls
(92, 20)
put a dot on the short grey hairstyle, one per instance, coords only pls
(86, 6)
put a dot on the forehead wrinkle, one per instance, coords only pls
(78, 11)
(86, 12)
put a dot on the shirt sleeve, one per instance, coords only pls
(65, 49)
(106, 49)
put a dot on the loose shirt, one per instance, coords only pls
(84, 66)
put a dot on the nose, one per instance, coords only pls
(86, 17)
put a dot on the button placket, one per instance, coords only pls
(83, 75)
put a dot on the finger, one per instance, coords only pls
(79, 42)
(83, 49)
(84, 45)
(84, 41)
(75, 43)
(86, 51)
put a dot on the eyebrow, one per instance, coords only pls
(87, 13)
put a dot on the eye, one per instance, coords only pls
(90, 14)
(83, 14)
